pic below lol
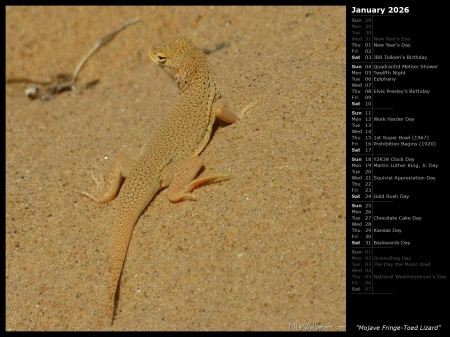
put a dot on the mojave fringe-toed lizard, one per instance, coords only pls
(169, 158)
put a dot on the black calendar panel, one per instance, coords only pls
(397, 168)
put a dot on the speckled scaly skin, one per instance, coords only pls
(184, 133)
(170, 155)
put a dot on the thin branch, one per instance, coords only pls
(62, 82)
(100, 43)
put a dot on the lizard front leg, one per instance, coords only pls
(221, 110)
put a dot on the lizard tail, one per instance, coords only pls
(114, 286)
(126, 219)
(122, 239)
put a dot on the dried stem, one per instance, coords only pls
(100, 43)
(47, 89)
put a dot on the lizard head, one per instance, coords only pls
(179, 58)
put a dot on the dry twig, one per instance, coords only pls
(46, 90)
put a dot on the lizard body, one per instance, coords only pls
(169, 158)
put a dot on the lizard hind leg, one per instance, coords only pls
(179, 176)
(111, 185)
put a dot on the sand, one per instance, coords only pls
(263, 251)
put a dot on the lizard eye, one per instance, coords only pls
(162, 58)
